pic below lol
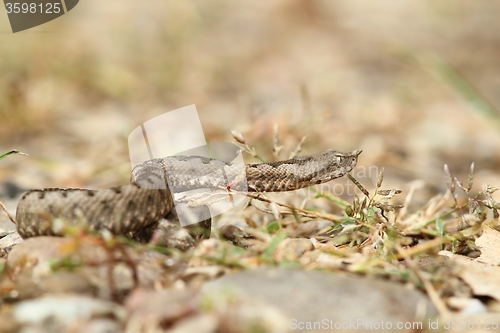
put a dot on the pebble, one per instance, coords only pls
(312, 300)
(64, 310)
(38, 261)
(8, 240)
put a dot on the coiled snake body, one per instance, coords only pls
(128, 209)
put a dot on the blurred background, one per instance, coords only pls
(413, 83)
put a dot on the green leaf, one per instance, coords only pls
(13, 151)
(267, 255)
(273, 227)
(440, 227)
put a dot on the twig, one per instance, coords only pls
(403, 254)
(304, 212)
(6, 212)
(276, 147)
(433, 295)
(298, 149)
(13, 151)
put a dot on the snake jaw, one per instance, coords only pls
(344, 162)
(354, 158)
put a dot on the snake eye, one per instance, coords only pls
(340, 159)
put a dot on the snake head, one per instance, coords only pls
(357, 152)
(347, 161)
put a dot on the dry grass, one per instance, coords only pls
(414, 84)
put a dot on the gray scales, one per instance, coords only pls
(131, 209)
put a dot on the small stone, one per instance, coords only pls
(64, 310)
(8, 241)
(67, 282)
(307, 298)
(32, 263)
(148, 308)
(292, 249)
(202, 323)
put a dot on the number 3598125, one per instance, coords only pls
(41, 8)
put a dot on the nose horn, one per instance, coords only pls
(357, 152)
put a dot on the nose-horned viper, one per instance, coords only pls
(128, 209)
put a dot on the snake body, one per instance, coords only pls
(128, 209)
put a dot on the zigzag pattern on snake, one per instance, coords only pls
(128, 209)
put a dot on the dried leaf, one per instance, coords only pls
(275, 211)
(250, 223)
(238, 137)
(449, 179)
(489, 244)
(471, 177)
(388, 193)
(481, 277)
(380, 178)
(299, 147)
